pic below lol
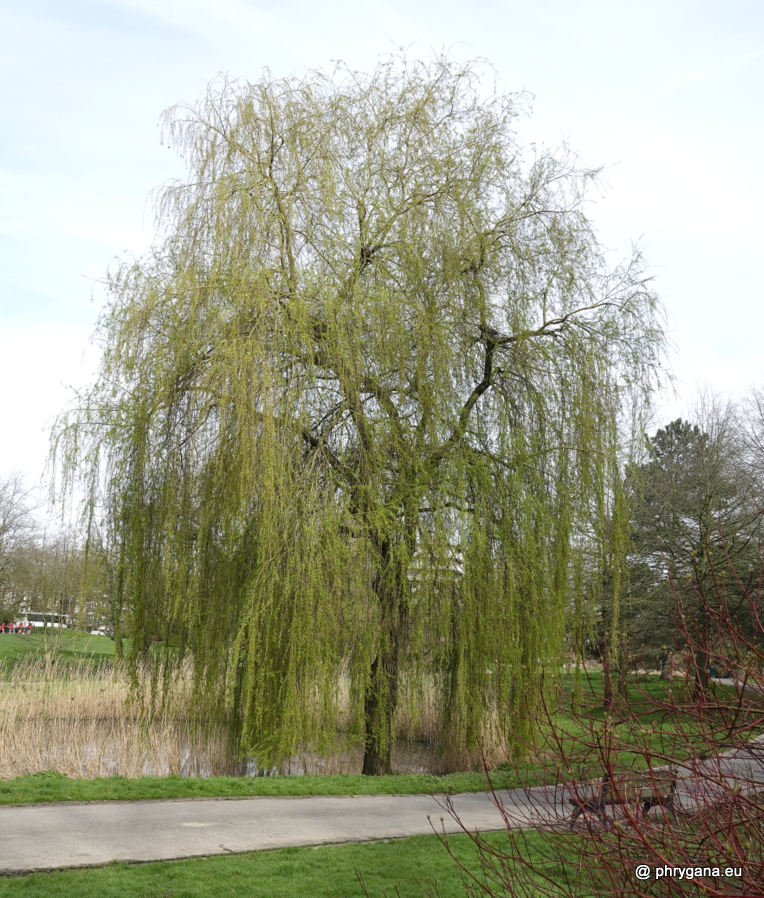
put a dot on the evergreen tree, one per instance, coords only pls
(693, 514)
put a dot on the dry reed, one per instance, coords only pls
(81, 720)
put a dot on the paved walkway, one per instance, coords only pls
(84, 834)
(73, 835)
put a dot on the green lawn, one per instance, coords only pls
(643, 734)
(56, 787)
(71, 645)
(406, 865)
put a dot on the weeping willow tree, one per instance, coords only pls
(355, 405)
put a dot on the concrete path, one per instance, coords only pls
(84, 834)
(72, 835)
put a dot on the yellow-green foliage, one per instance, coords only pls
(357, 403)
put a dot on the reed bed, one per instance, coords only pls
(80, 720)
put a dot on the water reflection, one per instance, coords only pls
(205, 759)
(408, 757)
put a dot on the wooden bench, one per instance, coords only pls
(644, 789)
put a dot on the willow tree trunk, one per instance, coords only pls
(379, 712)
(381, 693)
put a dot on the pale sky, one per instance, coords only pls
(667, 95)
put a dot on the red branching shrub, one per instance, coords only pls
(692, 821)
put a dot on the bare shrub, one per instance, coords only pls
(711, 737)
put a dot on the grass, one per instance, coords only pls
(72, 645)
(408, 868)
(642, 734)
(52, 786)
(70, 652)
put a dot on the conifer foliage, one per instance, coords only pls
(356, 403)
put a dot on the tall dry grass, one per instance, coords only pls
(80, 720)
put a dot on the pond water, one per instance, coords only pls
(186, 758)
(120, 747)
(408, 757)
